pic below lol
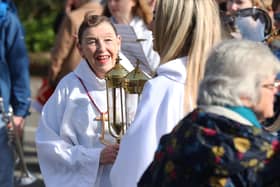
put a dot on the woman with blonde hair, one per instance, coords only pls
(184, 32)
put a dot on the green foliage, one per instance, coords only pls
(38, 17)
(39, 34)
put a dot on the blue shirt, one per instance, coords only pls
(14, 65)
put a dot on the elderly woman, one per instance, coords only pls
(221, 143)
(68, 138)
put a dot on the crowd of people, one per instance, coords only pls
(201, 119)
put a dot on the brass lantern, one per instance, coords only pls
(133, 84)
(115, 102)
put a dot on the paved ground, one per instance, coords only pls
(29, 144)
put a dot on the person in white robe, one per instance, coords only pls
(184, 31)
(68, 137)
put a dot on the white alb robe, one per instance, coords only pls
(67, 138)
(159, 110)
(142, 32)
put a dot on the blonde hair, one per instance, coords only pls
(187, 28)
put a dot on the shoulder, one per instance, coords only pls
(68, 82)
(8, 18)
(158, 82)
(161, 87)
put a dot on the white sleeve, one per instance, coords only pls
(61, 161)
(151, 55)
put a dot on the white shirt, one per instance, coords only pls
(152, 56)
(142, 32)
(160, 109)
(67, 138)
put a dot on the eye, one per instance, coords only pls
(108, 40)
(91, 41)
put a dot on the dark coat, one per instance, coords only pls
(207, 149)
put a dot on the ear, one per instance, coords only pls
(80, 49)
(119, 40)
(246, 101)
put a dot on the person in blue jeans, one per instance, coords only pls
(14, 85)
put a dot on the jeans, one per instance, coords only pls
(6, 158)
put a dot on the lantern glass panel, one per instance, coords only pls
(116, 111)
(131, 106)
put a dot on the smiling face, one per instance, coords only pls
(100, 46)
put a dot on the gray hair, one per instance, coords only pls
(236, 68)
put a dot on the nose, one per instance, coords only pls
(100, 46)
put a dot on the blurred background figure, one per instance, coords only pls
(64, 55)
(138, 15)
(152, 3)
(222, 4)
(14, 86)
(249, 27)
(69, 6)
(234, 5)
(274, 40)
(184, 33)
(276, 13)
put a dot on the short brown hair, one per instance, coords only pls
(92, 20)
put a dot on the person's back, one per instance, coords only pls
(182, 39)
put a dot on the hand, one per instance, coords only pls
(18, 126)
(109, 154)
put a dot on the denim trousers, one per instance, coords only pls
(6, 158)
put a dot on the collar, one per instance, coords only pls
(226, 112)
(89, 78)
(174, 69)
(246, 113)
